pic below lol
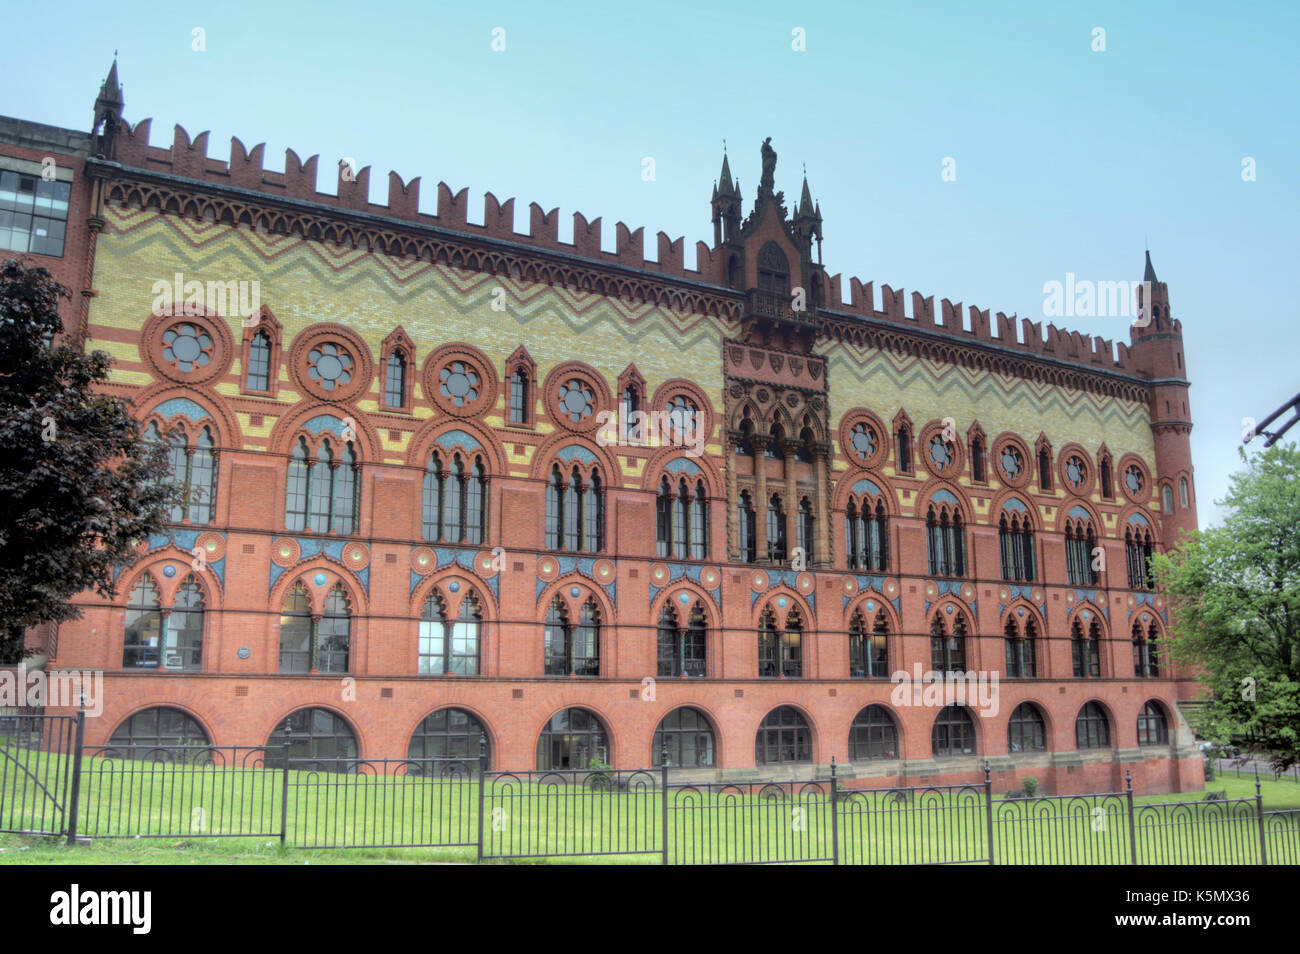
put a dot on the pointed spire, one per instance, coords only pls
(805, 200)
(725, 186)
(1150, 274)
(110, 92)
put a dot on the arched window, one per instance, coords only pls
(1184, 499)
(1153, 726)
(873, 735)
(575, 511)
(1016, 538)
(1021, 649)
(156, 735)
(1139, 550)
(682, 520)
(259, 362)
(680, 417)
(978, 468)
(630, 422)
(682, 650)
(319, 741)
(192, 473)
(395, 381)
(1092, 728)
(314, 645)
(953, 732)
(142, 640)
(1080, 541)
(780, 652)
(775, 448)
(1167, 498)
(519, 396)
(948, 651)
(689, 738)
(446, 646)
(449, 734)
(746, 529)
(868, 651)
(572, 649)
(803, 450)
(904, 442)
(773, 271)
(321, 493)
(745, 437)
(453, 500)
(806, 527)
(776, 539)
(1107, 484)
(1086, 651)
(1044, 469)
(783, 738)
(946, 541)
(572, 739)
(1146, 658)
(1026, 731)
(183, 643)
(866, 531)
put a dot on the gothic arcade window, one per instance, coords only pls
(1146, 657)
(309, 644)
(1016, 539)
(945, 537)
(1086, 651)
(157, 642)
(192, 472)
(572, 649)
(780, 651)
(449, 646)
(682, 520)
(1138, 549)
(575, 510)
(323, 492)
(1080, 541)
(746, 529)
(681, 648)
(453, 504)
(866, 533)
(868, 648)
(1021, 662)
(948, 650)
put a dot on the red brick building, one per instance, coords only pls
(446, 480)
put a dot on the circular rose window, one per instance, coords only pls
(577, 401)
(863, 441)
(940, 453)
(1075, 472)
(329, 366)
(1133, 480)
(458, 383)
(1011, 462)
(187, 347)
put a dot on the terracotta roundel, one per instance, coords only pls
(804, 583)
(460, 380)
(758, 581)
(710, 577)
(548, 568)
(356, 556)
(187, 348)
(659, 574)
(864, 439)
(211, 545)
(485, 564)
(603, 571)
(285, 551)
(1134, 478)
(850, 586)
(330, 362)
(575, 395)
(1011, 462)
(423, 560)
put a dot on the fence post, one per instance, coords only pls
(1132, 826)
(1259, 813)
(835, 817)
(74, 798)
(663, 800)
(482, 784)
(284, 785)
(988, 807)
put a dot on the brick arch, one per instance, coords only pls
(1021, 603)
(1152, 523)
(998, 503)
(1109, 710)
(151, 564)
(150, 343)
(704, 407)
(610, 474)
(1063, 514)
(472, 709)
(928, 489)
(657, 467)
(422, 443)
(352, 724)
(162, 703)
(713, 612)
(289, 426)
(737, 416)
(857, 604)
(1027, 480)
(769, 598)
(901, 728)
(843, 429)
(596, 710)
(560, 588)
(959, 608)
(227, 432)
(1097, 614)
(808, 719)
(1136, 617)
(1044, 710)
(714, 723)
(439, 580)
(844, 489)
(358, 603)
(977, 721)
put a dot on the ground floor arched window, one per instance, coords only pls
(159, 734)
(319, 741)
(688, 736)
(572, 739)
(784, 738)
(449, 735)
(873, 735)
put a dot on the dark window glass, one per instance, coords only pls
(783, 738)
(143, 635)
(259, 362)
(308, 645)
(868, 651)
(519, 397)
(948, 652)
(395, 381)
(33, 213)
(747, 531)
(953, 733)
(160, 734)
(1026, 731)
(689, 738)
(1153, 728)
(319, 741)
(573, 739)
(873, 735)
(1091, 728)
(775, 530)
(572, 650)
(449, 734)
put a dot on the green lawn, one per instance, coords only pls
(523, 820)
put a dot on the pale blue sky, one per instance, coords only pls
(1067, 159)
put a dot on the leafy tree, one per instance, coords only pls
(79, 486)
(1234, 594)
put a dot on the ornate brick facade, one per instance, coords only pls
(423, 417)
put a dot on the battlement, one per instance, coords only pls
(188, 158)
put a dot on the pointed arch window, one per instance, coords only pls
(572, 650)
(866, 533)
(1044, 469)
(519, 396)
(1146, 658)
(192, 473)
(776, 539)
(868, 649)
(629, 414)
(946, 541)
(1016, 537)
(1086, 651)
(322, 490)
(1167, 498)
(395, 380)
(904, 442)
(780, 651)
(315, 644)
(806, 528)
(1139, 550)
(259, 363)
(1080, 541)
(1021, 655)
(448, 646)
(746, 529)
(948, 650)
(454, 499)
(682, 650)
(681, 524)
(1184, 499)
(1107, 482)
(183, 640)
(575, 511)
(978, 466)
(143, 634)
